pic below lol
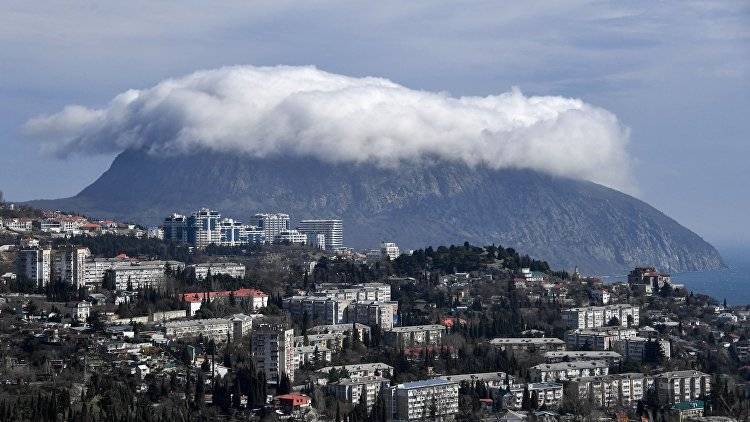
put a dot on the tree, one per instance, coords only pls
(433, 409)
(614, 321)
(285, 385)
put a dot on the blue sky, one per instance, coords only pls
(677, 74)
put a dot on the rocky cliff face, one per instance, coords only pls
(567, 222)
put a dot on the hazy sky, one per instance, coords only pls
(677, 74)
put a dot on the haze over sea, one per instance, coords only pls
(732, 282)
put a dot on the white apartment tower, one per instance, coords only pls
(271, 224)
(35, 265)
(333, 230)
(69, 265)
(176, 228)
(204, 228)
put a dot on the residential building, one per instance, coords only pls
(271, 224)
(217, 329)
(532, 276)
(686, 410)
(318, 308)
(601, 338)
(273, 349)
(548, 394)
(571, 355)
(68, 265)
(529, 344)
(648, 276)
(331, 341)
(390, 250)
(124, 269)
(175, 228)
(79, 311)
(241, 324)
(35, 265)
(357, 292)
(432, 399)
(255, 298)
(563, 371)
(292, 402)
(333, 230)
(372, 312)
(352, 390)
(232, 269)
(612, 390)
(490, 379)
(636, 348)
(293, 237)
(313, 355)
(204, 228)
(361, 370)
(363, 331)
(679, 386)
(600, 316)
(416, 335)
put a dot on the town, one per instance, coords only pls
(206, 317)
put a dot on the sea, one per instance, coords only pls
(731, 283)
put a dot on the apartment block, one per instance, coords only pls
(414, 336)
(563, 371)
(432, 399)
(679, 386)
(304, 355)
(68, 265)
(636, 348)
(600, 316)
(232, 269)
(273, 349)
(489, 379)
(255, 298)
(358, 292)
(601, 338)
(318, 308)
(35, 265)
(362, 330)
(352, 390)
(610, 357)
(529, 345)
(612, 390)
(361, 370)
(271, 224)
(214, 328)
(372, 312)
(331, 341)
(332, 230)
(548, 394)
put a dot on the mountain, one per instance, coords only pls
(566, 222)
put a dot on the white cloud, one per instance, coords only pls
(263, 111)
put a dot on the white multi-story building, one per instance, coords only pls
(333, 230)
(69, 265)
(416, 335)
(635, 348)
(231, 269)
(241, 324)
(563, 371)
(548, 394)
(35, 265)
(204, 228)
(432, 399)
(390, 249)
(291, 236)
(213, 328)
(489, 379)
(679, 386)
(273, 350)
(361, 370)
(330, 341)
(127, 272)
(363, 291)
(232, 232)
(372, 312)
(343, 329)
(18, 224)
(271, 224)
(531, 344)
(314, 355)
(612, 390)
(175, 228)
(601, 338)
(572, 355)
(599, 316)
(352, 390)
(318, 308)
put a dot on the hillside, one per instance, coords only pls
(567, 222)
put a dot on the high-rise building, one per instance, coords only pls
(333, 230)
(232, 232)
(390, 250)
(176, 228)
(271, 224)
(35, 265)
(273, 349)
(69, 265)
(204, 228)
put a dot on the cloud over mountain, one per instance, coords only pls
(264, 111)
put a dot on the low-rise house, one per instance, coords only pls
(292, 402)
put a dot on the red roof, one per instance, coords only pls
(294, 399)
(198, 296)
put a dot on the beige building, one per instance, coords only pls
(273, 349)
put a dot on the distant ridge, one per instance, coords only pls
(566, 222)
